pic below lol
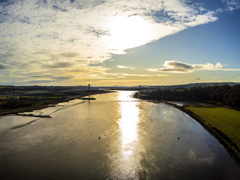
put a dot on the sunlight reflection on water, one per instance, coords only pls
(128, 121)
(129, 160)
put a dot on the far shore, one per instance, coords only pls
(42, 106)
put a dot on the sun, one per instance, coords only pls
(128, 32)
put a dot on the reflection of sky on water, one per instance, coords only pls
(197, 158)
(177, 103)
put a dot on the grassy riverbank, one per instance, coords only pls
(226, 120)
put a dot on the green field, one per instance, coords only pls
(226, 120)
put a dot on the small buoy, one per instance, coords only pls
(178, 138)
(99, 137)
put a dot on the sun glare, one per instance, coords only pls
(129, 32)
(128, 164)
(128, 122)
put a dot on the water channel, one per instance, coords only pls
(113, 137)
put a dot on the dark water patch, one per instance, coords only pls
(23, 125)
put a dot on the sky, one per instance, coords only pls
(119, 42)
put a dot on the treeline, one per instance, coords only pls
(4, 90)
(9, 104)
(221, 95)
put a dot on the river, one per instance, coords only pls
(112, 137)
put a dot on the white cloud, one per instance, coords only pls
(232, 4)
(179, 67)
(134, 75)
(125, 67)
(218, 66)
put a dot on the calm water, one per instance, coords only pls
(138, 140)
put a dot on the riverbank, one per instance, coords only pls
(224, 138)
(47, 103)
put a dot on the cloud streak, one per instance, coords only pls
(3, 66)
(125, 67)
(180, 67)
(59, 65)
(232, 4)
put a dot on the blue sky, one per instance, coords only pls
(152, 42)
(218, 41)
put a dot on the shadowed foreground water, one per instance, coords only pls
(138, 140)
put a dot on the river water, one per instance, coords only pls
(113, 137)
